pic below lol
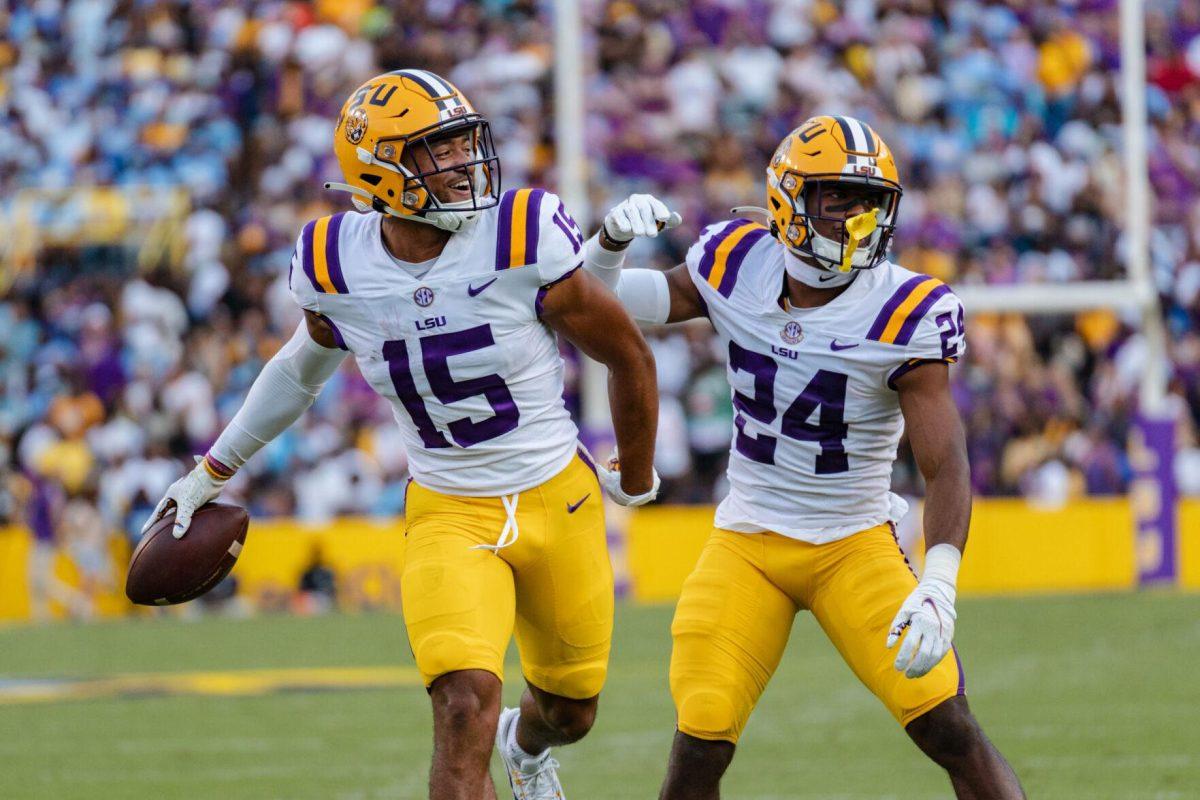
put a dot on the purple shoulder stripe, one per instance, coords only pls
(306, 258)
(533, 225)
(892, 304)
(736, 257)
(914, 318)
(710, 247)
(333, 256)
(504, 230)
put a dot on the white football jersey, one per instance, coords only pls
(473, 374)
(817, 418)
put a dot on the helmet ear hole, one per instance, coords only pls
(776, 204)
(369, 178)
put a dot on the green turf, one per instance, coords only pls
(1090, 697)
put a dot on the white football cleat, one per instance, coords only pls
(532, 779)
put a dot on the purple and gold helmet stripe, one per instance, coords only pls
(321, 260)
(518, 229)
(725, 251)
(898, 319)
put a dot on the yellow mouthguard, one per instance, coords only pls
(859, 227)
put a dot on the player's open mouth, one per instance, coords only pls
(461, 189)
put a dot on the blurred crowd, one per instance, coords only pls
(119, 361)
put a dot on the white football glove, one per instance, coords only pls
(187, 494)
(610, 480)
(928, 614)
(639, 215)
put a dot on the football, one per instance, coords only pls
(164, 570)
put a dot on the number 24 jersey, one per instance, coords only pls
(472, 373)
(817, 417)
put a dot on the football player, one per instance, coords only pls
(449, 293)
(832, 352)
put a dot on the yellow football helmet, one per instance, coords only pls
(821, 152)
(394, 113)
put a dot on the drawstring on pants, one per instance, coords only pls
(510, 526)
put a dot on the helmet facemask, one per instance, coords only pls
(848, 242)
(480, 173)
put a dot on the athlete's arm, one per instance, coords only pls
(648, 295)
(940, 447)
(580, 309)
(939, 444)
(286, 387)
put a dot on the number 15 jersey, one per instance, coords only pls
(817, 417)
(473, 374)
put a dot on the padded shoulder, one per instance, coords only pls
(317, 263)
(533, 227)
(715, 260)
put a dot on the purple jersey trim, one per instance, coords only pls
(332, 256)
(736, 257)
(533, 225)
(892, 304)
(910, 365)
(587, 461)
(542, 290)
(962, 676)
(504, 230)
(914, 318)
(306, 257)
(337, 335)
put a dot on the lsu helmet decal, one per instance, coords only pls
(822, 152)
(384, 142)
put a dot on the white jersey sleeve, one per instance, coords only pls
(298, 283)
(926, 320)
(316, 269)
(534, 228)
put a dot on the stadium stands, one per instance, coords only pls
(132, 328)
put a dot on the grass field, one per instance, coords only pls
(1090, 697)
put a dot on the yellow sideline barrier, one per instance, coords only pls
(1015, 548)
(1189, 544)
(365, 554)
(1087, 545)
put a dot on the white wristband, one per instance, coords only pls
(605, 264)
(941, 564)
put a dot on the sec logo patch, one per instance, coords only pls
(791, 333)
(423, 296)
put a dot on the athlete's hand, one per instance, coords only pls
(187, 494)
(610, 480)
(638, 215)
(928, 615)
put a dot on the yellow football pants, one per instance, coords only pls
(554, 585)
(736, 611)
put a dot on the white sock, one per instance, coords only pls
(514, 750)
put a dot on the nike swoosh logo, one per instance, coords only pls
(834, 346)
(472, 290)
(824, 278)
(573, 507)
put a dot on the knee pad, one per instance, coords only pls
(440, 653)
(708, 714)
